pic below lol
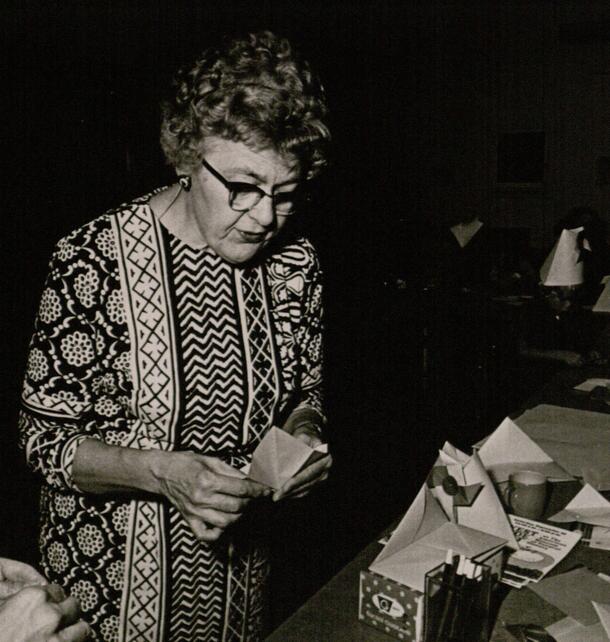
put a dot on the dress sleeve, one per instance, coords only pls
(57, 399)
(309, 338)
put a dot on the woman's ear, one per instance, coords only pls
(185, 181)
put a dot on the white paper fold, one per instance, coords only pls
(280, 456)
(421, 540)
(508, 449)
(486, 513)
(588, 506)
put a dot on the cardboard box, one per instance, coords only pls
(391, 607)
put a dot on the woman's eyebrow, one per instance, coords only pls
(247, 171)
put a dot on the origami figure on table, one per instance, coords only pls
(476, 504)
(588, 506)
(422, 539)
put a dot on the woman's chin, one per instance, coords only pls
(241, 253)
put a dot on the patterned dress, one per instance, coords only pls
(146, 342)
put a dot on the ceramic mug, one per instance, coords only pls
(526, 494)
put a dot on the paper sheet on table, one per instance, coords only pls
(573, 593)
(280, 456)
(421, 541)
(589, 384)
(569, 630)
(508, 449)
(486, 512)
(603, 301)
(541, 547)
(578, 440)
(588, 507)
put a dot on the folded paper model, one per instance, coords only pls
(508, 450)
(421, 540)
(564, 265)
(484, 511)
(603, 302)
(588, 507)
(280, 456)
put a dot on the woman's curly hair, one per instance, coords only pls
(253, 90)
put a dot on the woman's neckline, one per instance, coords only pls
(168, 223)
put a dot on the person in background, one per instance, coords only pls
(32, 610)
(594, 240)
(555, 327)
(172, 334)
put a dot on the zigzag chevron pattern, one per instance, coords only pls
(197, 586)
(230, 387)
(211, 349)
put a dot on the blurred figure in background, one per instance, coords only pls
(593, 243)
(556, 327)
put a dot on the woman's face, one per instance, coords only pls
(238, 236)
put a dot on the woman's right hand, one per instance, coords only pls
(210, 494)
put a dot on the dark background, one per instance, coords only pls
(420, 93)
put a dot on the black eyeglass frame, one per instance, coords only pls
(230, 187)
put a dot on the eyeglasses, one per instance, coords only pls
(245, 196)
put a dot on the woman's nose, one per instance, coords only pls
(263, 212)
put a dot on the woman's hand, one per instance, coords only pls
(304, 481)
(34, 615)
(210, 494)
(16, 575)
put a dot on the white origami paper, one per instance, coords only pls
(589, 384)
(421, 541)
(563, 265)
(464, 232)
(588, 506)
(603, 612)
(486, 512)
(280, 456)
(508, 450)
(603, 301)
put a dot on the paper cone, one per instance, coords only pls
(563, 266)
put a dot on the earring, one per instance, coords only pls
(185, 182)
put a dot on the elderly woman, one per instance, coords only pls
(172, 334)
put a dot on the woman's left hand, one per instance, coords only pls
(304, 481)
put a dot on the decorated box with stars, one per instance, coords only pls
(391, 607)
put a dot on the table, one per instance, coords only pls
(331, 615)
